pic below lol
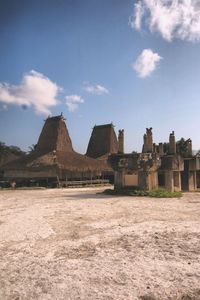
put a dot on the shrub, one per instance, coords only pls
(126, 192)
(157, 193)
(162, 193)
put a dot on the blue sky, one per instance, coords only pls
(95, 63)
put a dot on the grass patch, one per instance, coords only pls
(163, 193)
(126, 192)
(157, 193)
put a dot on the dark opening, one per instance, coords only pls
(185, 176)
(161, 179)
(198, 179)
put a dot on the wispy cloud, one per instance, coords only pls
(95, 89)
(146, 63)
(171, 18)
(136, 20)
(73, 101)
(35, 90)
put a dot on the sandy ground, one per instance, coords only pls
(76, 244)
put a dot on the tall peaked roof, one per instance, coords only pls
(54, 151)
(54, 136)
(103, 141)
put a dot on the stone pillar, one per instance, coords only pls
(172, 143)
(119, 180)
(189, 147)
(177, 181)
(143, 182)
(192, 181)
(152, 180)
(161, 149)
(155, 180)
(144, 150)
(154, 148)
(121, 141)
(169, 181)
(148, 141)
(147, 180)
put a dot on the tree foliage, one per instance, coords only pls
(182, 147)
(7, 152)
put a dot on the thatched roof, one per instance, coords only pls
(54, 136)
(103, 141)
(54, 150)
(71, 161)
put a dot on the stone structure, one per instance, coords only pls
(135, 170)
(157, 166)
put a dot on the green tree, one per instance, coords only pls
(8, 153)
(182, 147)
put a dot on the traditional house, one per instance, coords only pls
(103, 142)
(54, 158)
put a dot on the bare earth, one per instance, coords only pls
(75, 244)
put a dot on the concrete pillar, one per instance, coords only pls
(177, 181)
(161, 149)
(169, 181)
(192, 181)
(172, 143)
(121, 141)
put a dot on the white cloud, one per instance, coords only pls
(35, 90)
(95, 89)
(171, 18)
(72, 102)
(146, 63)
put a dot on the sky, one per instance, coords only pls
(133, 63)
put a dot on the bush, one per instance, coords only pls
(162, 193)
(126, 192)
(157, 193)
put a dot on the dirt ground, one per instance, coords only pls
(76, 244)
